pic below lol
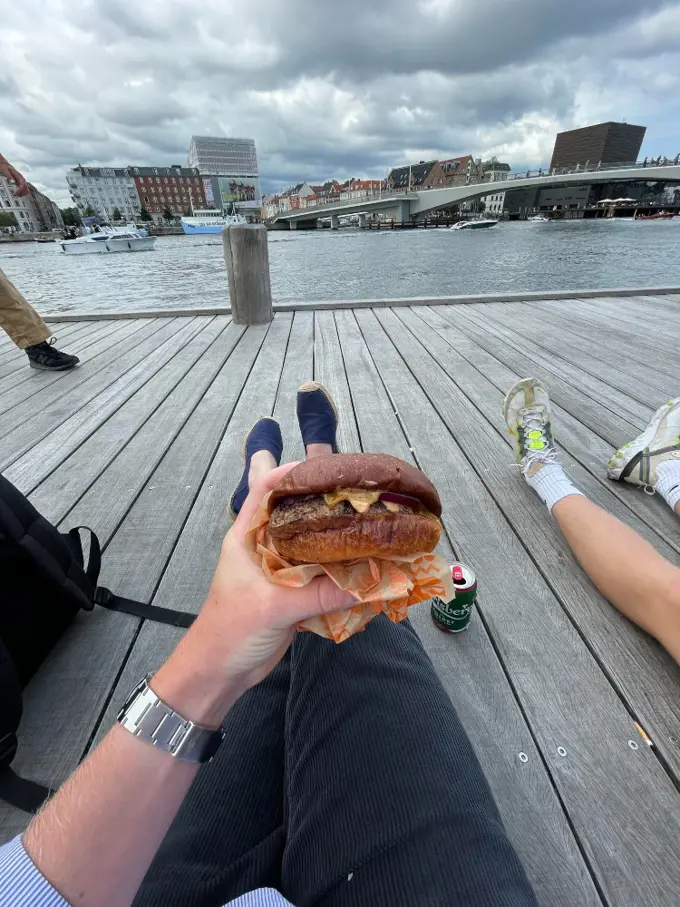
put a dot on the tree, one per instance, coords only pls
(168, 215)
(116, 214)
(7, 219)
(89, 211)
(71, 217)
(144, 214)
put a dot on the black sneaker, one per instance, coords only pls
(46, 356)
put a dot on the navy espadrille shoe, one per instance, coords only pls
(317, 415)
(264, 435)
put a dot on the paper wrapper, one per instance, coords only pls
(380, 586)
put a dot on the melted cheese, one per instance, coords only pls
(359, 498)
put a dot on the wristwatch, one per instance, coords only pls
(149, 718)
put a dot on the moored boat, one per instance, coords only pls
(109, 239)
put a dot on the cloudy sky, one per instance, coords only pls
(328, 87)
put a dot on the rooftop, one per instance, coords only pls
(143, 443)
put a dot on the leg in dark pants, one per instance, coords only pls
(385, 802)
(228, 837)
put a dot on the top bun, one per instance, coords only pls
(369, 471)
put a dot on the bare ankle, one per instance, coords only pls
(318, 450)
(261, 463)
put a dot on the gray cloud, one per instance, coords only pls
(328, 88)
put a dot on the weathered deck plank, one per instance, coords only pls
(594, 357)
(475, 681)
(531, 629)
(646, 676)
(150, 461)
(14, 360)
(140, 431)
(33, 383)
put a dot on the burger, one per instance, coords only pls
(348, 506)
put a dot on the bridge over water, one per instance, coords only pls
(403, 206)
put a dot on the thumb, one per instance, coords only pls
(320, 596)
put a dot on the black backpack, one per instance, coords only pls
(45, 582)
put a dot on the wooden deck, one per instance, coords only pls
(143, 443)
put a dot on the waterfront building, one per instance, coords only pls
(229, 169)
(604, 143)
(106, 190)
(176, 189)
(103, 190)
(415, 176)
(47, 212)
(33, 213)
(494, 171)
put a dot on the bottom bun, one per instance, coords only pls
(400, 535)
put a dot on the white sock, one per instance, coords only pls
(551, 484)
(668, 482)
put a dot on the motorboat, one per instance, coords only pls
(539, 219)
(479, 224)
(210, 221)
(109, 239)
(658, 215)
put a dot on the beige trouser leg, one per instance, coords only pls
(18, 318)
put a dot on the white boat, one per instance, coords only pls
(478, 224)
(210, 221)
(539, 219)
(110, 239)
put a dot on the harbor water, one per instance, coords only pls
(188, 271)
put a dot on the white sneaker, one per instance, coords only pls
(637, 461)
(527, 414)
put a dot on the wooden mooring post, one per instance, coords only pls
(247, 257)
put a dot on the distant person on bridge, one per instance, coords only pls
(625, 568)
(17, 317)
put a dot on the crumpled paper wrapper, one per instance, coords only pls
(381, 586)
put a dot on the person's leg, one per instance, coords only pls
(26, 328)
(318, 420)
(229, 834)
(262, 451)
(18, 318)
(386, 801)
(624, 567)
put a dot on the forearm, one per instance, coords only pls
(96, 838)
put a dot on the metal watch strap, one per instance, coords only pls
(152, 720)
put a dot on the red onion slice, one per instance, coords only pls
(404, 499)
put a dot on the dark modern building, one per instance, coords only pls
(607, 143)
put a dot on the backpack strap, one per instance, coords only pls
(22, 793)
(106, 599)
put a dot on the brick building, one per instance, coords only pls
(176, 188)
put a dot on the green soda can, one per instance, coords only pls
(454, 616)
